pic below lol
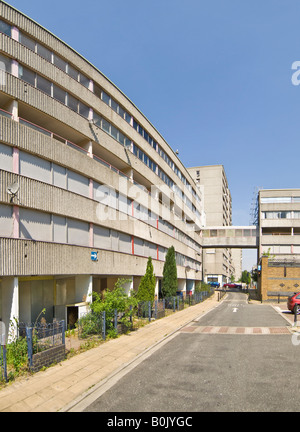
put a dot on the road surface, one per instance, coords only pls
(237, 357)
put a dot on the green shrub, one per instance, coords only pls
(117, 299)
(146, 290)
(17, 354)
(169, 281)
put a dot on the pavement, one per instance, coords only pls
(64, 386)
(287, 315)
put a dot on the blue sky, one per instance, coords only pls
(213, 76)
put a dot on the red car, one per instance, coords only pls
(292, 301)
(230, 285)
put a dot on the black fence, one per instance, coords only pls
(42, 336)
(113, 322)
(3, 363)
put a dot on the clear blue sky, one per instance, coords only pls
(213, 76)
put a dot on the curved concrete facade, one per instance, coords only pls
(83, 175)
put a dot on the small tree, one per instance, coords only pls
(117, 299)
(169, 281)
(146, 290)
(246, 277)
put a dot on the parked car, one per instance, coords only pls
(292, 301)
(214, 284)
(229, 285)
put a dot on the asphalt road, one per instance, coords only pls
(198, 371)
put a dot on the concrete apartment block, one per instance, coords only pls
(218, 264)
(278, 218)
(89, 188)
(279, 223)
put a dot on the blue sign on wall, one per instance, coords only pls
(94, 256)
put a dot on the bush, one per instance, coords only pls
(146, 290)
(169, 282)
(117, 299)
(17, 354)
(202, 286)
(90, 324)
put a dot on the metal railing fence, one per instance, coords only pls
(43, 336)
(118, 322)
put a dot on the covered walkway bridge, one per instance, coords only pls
(242, 237)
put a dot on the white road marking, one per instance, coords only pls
(234, 309)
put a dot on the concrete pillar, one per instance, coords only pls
(83, 288)
(13, 108)
(128, 286)
(10, 306)
(91, 189)
(16, 222)
(182, 285)
(15, 33)
(16, 212)
(15, 68)
(25, 301)
(89, 148)
(157, 288)
(16, 160)
(91, 235)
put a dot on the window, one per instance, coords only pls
(77, 183)
(84, 80)
(121, 138)
(78, 232)
(127, 142)
(97, 91)
(59, 229)
(5, 157)
(284, 215)
(105, 98)
(72, 103)
(121, 112)
(135, 125)
(97, 119)
(73, 72)
(26, 41)
(114, 106)
(44, 52)
(5, 28)
(114, 132)
(44, 85)
(276, 215)
(141, 131)
(128, 117)
(59, 94)
(35, 167)
(60, 63)
(102, 237)
(35, 225)
(5, 64)
(266, 200)
(84, 110)
(6, 220)
(27, 75)
(105, 126)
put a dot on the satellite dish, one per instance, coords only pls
(13, 189)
